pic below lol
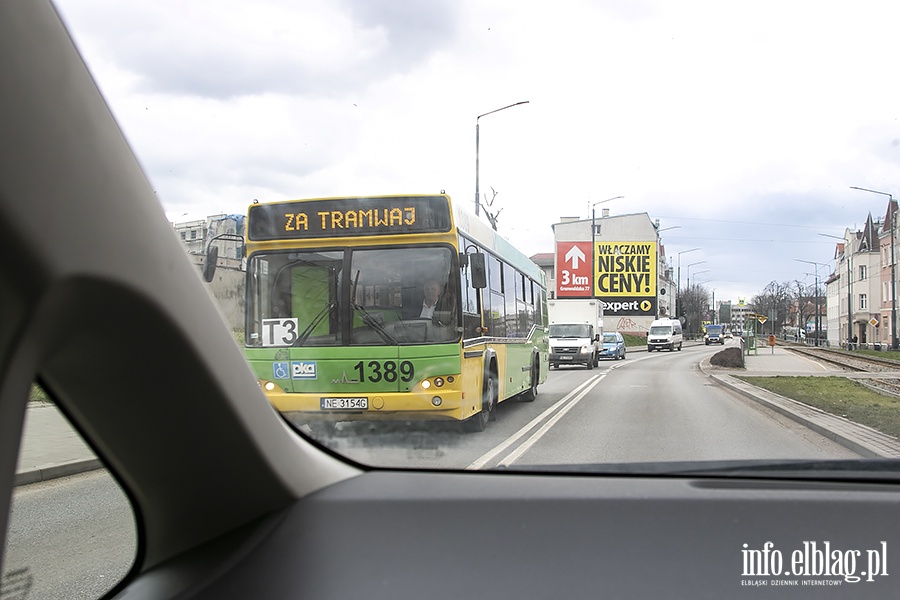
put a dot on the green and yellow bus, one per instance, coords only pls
(390, 308)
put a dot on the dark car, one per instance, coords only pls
(613, 346)
(715, 334)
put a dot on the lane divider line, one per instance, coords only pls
(537, 435)
(494, 452)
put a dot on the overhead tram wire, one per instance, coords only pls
(728, 239)
(732, 222)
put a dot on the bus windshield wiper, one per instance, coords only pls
(372, 322)
(312, 324)
(368, 319)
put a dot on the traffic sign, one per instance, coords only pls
(573, 270)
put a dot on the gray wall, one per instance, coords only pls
(227, 287)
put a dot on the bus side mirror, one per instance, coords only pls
(209, 267)
(463, 260)
(479, 271)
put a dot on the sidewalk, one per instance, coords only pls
(859, 438)
(50, 447)
(779, 361)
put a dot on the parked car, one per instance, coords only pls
(613, 346)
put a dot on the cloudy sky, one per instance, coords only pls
(740, 125)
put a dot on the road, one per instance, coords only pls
(649, 407)
(77, 535)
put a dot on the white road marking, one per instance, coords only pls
(531, 441)
(583, 389)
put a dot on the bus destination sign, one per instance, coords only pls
(344, 217)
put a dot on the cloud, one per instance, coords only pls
(229, 48)
(714, 117)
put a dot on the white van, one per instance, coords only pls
(665, 333)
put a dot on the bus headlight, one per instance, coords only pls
(439, 381)
(436, 401)
(269, 386)
(426, 384)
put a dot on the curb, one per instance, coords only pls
(49, 472)
(859, 438)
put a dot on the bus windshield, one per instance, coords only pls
(353, 296)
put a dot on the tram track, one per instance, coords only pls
(889, 385)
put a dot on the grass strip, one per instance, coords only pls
(838, 396)
(882, 354)
(632, 340)
(38, 394)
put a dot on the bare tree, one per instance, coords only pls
(806, 298)
(491, 216)
(775, 303)
(693, 304)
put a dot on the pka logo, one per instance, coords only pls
(303, 369)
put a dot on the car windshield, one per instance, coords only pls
(416, 221)
(574, 330)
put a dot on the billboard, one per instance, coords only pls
(625, 277)
(573, 270)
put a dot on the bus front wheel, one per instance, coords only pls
(478, 422)
(531, 393)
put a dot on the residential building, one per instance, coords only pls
(859, 286)
(620, 260)
(545, 261)
(833, 304)
(888, 255)
(739, 314)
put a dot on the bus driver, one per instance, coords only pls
(432, 290)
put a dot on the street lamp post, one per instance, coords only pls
(665, 272)
(699, 262)
(678, 288)
(477, 190)
(891, 212)
(817, 265)
(594, 243)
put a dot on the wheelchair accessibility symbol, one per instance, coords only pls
(280, 370)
